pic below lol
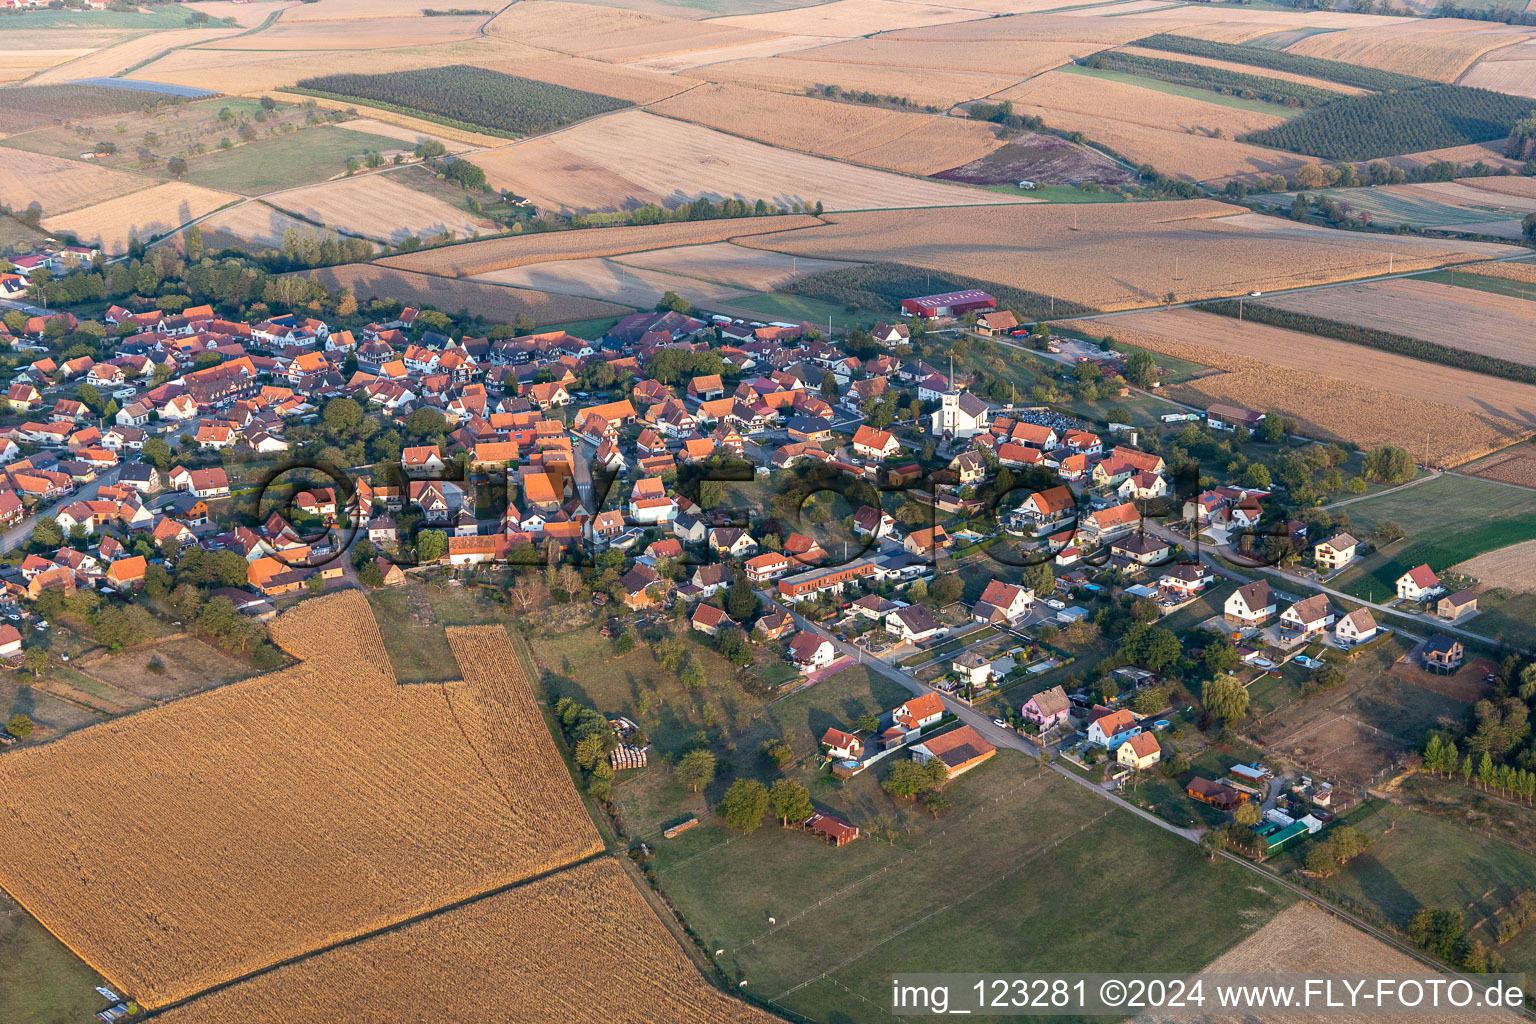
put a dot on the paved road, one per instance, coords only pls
(17, 535)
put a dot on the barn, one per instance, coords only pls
(972, 300)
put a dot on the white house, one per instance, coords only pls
(842, 745)
(1311, 615)
(1335, 553)
(913, 624)
(1355, 628)
(1250, 605)
(1140, 752)
(874, 444)
(809, 651)
(1003, 602)
(1417, 583)
(1113, 729)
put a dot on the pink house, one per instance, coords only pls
(1047, 708)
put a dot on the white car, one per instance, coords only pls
(1254, 295)
(999, 723)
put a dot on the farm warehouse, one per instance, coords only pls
(949, 304)
(269, 818)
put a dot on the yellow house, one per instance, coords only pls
(1139, 752)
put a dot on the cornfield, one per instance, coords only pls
(185, 846)
(578, 947)
(1522, 272)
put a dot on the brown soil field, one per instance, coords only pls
(756, 270)
(270, 818)
(188, 666)
(850, 18)
(1246, 69)
(373, 34)
(376, 206)
(1037, 156)
(1509, 567)
(520, 250)
(1306, 939)
(578, 947)
(493, 302)
(251, 223)
(1466, 685)
(1114, 256)
(1440, 49)
(921, 85)
(899, 141)
(1317, 381)
(607, 33)
(1503, 185)
(605, 279)
(116, 59)
(1084, 94)
(1010, 57)
(60, 185)
(629, 158)
(1515, 467)
(153, 211)
(1497, 325)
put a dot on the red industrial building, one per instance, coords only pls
(972, 300)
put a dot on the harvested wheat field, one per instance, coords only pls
(493, 302)
(250, 223)
(247, 15)
(360, 10)
(1516, 77)
(269, 818)
(578, 947)
(629, 158)
(1113, 256)
(115, 60)
(1020, 58)
(673, 63)
(1180, 154)
(1439, 49)
(757, 270)
(409, 130)
(1305, 939)
(1058, 27)
(377, 34)
(605, 279)
(1466, 193)
(607, 33)
(520, 250)
(1502, 326)
(1085, 94)
(849, 18)
(142, 215)
(1502, 185)
(899, 141)
(621, 81)
(1317, 381)
(59, 185)
(920, 85)
(377, 207)
(1509, 568)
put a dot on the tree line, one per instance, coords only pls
(1361, 77)
(1221, 80)
(1385, 341)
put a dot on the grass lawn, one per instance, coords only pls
(1419, 860)
(1192, 92)
(302, 158)
(796, 308)
(589, 329)
(151, 19)
(1059, 193)
(41, 981)
(994, 885)
(418, 651)
(1505, 615)
(1448, 520)
(1482, 283)
(1179, 370)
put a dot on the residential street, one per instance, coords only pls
(17, 535)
